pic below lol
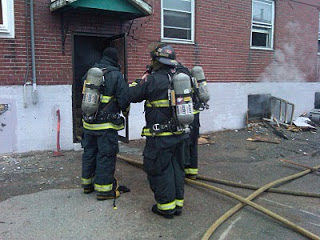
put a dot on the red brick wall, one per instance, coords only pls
(222, 42)
(52, 66)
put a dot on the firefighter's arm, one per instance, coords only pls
(121, 94)
(138, 90)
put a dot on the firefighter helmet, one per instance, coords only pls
(164, 54)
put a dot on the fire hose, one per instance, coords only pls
(246, 201)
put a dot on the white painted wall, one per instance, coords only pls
(35, 127)
(229, 104)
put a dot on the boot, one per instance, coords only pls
(108, 195)
(166, 214)
(178, 211)
(88, 188)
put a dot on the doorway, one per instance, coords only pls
(87, 50)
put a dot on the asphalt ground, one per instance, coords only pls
(41, 197)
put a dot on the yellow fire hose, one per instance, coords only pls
(253, 187)
(246, 201)
(233, 210)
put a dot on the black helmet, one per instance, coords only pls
(164, 54)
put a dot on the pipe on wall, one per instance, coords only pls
(33, 60)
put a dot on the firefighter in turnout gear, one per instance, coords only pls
(164, 152)
(100, 128)
(191, 164)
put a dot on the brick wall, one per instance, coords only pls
(221, 43)
(52, 65)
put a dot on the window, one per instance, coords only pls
(6, 19)
(262, 24)
(319, 35)
(177, 20)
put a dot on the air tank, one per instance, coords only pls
(183, 99)
(91, 96)
(198, 74)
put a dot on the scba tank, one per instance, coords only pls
(91, 95)
(198, 74)
(183, 99)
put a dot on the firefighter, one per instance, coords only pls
(191, 164)
(100, 130)
(164, 152)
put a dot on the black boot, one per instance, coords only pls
(178, 211)
(166, 214)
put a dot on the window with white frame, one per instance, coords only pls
(6, 19)
(262, 25)
(177, 20)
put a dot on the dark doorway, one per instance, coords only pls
(87, 50)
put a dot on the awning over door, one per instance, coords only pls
(127, 8)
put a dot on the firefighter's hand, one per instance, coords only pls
(135, 83)
(126, 112)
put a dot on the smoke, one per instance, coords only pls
(291, 62)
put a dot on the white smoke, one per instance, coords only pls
(289, 57)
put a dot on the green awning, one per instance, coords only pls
(131, 8)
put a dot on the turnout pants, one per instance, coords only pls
(191, 167)
(99, 160)
(164, 164)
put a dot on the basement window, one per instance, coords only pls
(177, 21)
(262, 24)
(6, 19)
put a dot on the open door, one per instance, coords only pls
(87, 50)
(120, 43)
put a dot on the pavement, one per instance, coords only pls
(52, 212)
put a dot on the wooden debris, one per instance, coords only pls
(205, 140)
(260, 138)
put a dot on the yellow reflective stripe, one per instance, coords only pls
(106, 99)
(195, 111)
(146, 132)
(158, 103)
(102, 126)
(86, 181)
(167, 206)
(103, 188)
(179, 202)
(133, 84)
(193, 171)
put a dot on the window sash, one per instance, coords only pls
(7, 26)
(185, 29)
(262, 25)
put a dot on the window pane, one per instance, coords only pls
(262, 12)
(177, 19)
(177, 33)
(182, 5)
(259, 39)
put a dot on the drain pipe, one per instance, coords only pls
(33, 60)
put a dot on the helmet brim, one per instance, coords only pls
(167, 61)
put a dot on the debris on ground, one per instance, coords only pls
(261, 138)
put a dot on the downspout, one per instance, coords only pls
(33, 60)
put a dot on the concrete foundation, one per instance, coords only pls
(34, 127)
